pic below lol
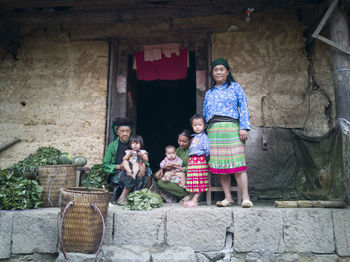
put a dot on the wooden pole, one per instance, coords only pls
(112, 89)
(339, 32)
(8, 144)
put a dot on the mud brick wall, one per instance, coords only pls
(53, 95)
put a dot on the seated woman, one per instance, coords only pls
(184, 139)
(112, 162)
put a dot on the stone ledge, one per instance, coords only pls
(5, 234)
(206, 230)
(35, 231)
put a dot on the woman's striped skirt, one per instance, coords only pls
(197, 174)
(227, 154)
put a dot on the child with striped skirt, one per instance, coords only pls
(197, 171)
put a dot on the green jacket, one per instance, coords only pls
(108, 163)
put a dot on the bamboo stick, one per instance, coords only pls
(310, 203)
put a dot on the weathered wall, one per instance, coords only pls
(268, 58)
(63, 87)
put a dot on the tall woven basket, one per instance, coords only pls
(52, 179)
(84, 211)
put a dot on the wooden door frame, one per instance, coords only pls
(118, 75)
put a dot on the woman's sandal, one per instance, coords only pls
(190, 204)
(246, 203)
(224, 203)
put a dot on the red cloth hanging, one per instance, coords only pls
(172, 68)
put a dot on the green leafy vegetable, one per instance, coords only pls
(43, 156)
(96, 177)
(144, 199)
(17, 192)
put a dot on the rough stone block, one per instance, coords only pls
(202, 258)
(126, 253)
(37, 257)
(202, 228)
(258, 229)
(341, 222)
(109, 223)
(5, 234)
(35, 231)
(77, 257)
(308, 230)
(173, 254)
(139, 227)
(308, 257)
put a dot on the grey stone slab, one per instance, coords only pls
(77, 257)
(37, 257)
(201, 258)
(109, 223)
(203, 229)
(139, 227)
(5, 234)
(308, 230)
(237, 259)
(308, 257)
(341, 223)
(173, 254)
(258, 229)
(35, 231)
(126, 253)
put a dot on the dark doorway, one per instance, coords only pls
(163, 110)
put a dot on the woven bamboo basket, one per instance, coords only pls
(52, 179)
(84, 211)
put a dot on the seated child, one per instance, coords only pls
(133, 159)
(172, 165)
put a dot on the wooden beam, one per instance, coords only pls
(120, 4)
(112, 89)
(115, 15)
(325, 18)
(9, 37)
(333, 44)
(155, 29)
(339, 31)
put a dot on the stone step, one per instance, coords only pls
(204, 231)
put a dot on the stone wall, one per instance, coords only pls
(268, 58)
(54, 94)
(174, 233)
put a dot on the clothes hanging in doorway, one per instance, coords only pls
(166, 68)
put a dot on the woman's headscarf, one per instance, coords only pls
(223, 61)
(121, 121)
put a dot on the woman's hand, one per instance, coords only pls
(142, 171)
(243, 135)
(168, 166)
(118, 167)
(178, 167)
(159, 174)
(143, 156)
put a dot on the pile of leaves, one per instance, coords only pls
(143, 200)
(96, 177)
(43, 156)
(17, 192)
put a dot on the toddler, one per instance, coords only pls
(197, 170)
(172, 165)
(133, 159)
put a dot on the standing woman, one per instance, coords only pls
(225, 109)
